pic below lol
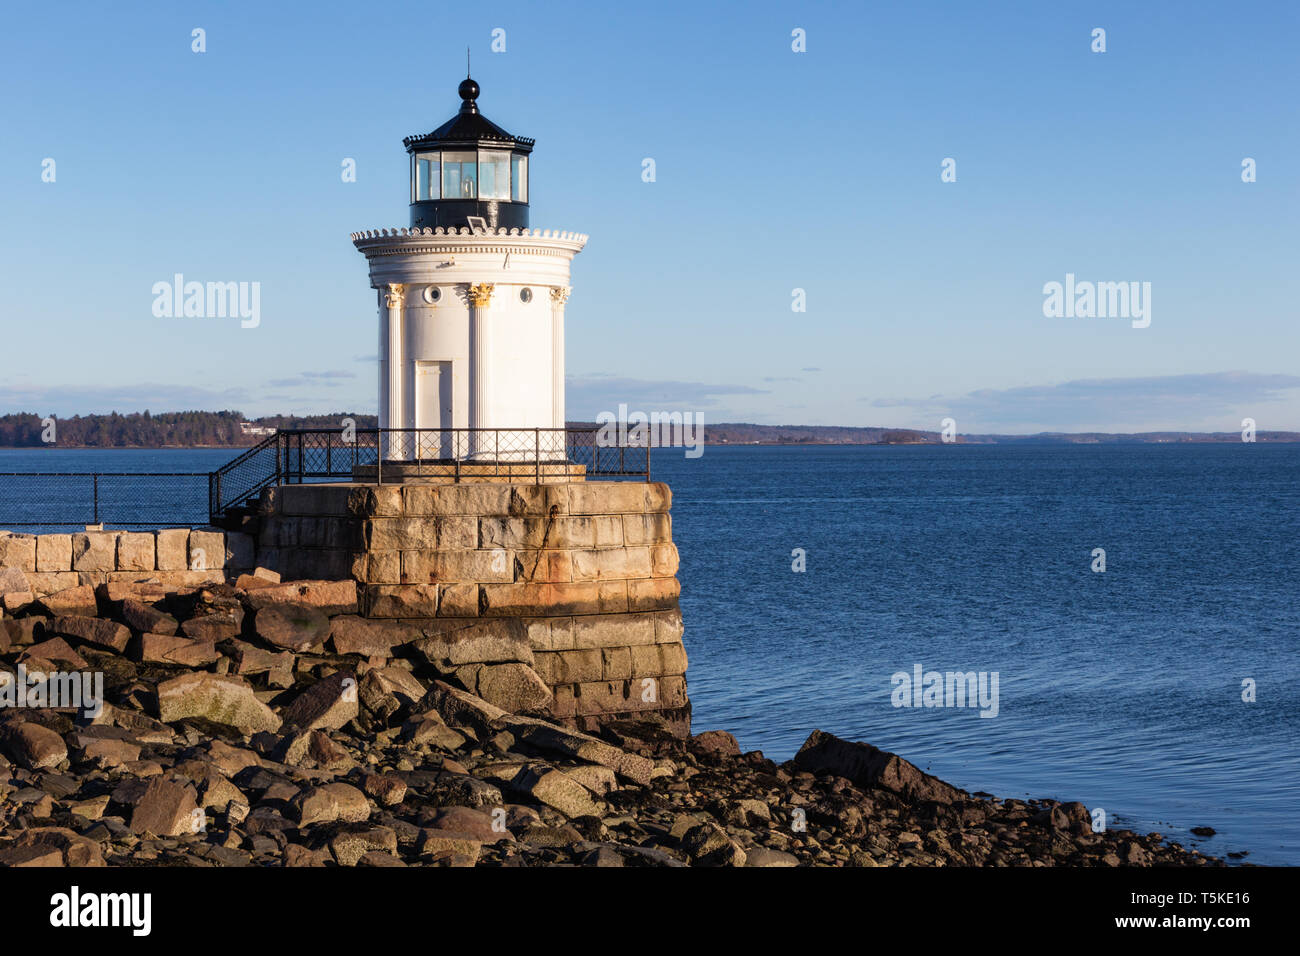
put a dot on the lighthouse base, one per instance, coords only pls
(557, 598)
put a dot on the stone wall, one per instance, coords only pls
(561, 597)
(179, 557)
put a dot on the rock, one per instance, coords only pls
(13, 581)
(167, 808)
(750, 814)
(57, 651)
(31, 745)
(763, 856)
(716, 742)
(707, 844)
(108, 754)
(43, 856)
(333, 801)
(18, 551)
(43, 842)
(145, 618)
(94, 551)
(599, 780)
(326, 705)
(385, 788)
(294, 627)
(430, 729)
(460, 708)
(171, 547)
(379, 858)
(570, 743)
(1204, 831)
(490, 641)
(868, 767)
(474, 823)
(515, 688)
(223, 700)
(295, 855)
(395, 682)
(350, 634)
(71, 601)
(92, 630)
(135, 551)
(324, 752)
(1133, 854)
(165, 649)
(329, 597)
(353, 841)
(455, 849)
(553, 788)
(211, 628)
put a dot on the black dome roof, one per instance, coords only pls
(468, 126)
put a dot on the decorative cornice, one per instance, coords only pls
(395, 295)
(466, 231)
(438, 240)
(481, 294)
(560, 294)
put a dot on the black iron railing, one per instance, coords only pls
(295, 456)
(55, 499)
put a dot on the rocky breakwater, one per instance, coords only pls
(266, 723)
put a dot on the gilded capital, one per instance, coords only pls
(560, 294)
(481, 295)
(394, 296)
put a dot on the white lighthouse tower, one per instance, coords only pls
(471, 303)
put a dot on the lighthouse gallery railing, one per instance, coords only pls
(292, 456)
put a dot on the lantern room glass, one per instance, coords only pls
(470, 174)
(493, 174)
(428, 177)
(519, 177)
(459, 175)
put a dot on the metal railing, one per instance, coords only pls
(295, 456)
(57, 499)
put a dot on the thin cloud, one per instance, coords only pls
(1191, 401)
(591, 394)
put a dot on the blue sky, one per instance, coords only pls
(776, 171)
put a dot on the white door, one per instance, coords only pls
(433, 409)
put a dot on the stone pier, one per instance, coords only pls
(555, 598)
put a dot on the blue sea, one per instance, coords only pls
(1122, 688)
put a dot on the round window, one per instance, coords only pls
(432, 293)
(525, 295)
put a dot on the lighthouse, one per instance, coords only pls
(471, 302)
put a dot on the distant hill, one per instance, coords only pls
(738, 433)
(166, 430)
(230, 429)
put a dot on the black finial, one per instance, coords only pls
(468, 91)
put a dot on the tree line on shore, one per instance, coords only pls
(146, 430)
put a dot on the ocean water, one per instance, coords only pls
(1122, 689)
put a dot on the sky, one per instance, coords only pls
(776, 171)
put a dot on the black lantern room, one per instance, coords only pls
(469, 166)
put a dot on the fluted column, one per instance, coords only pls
(391, 365)
(480, 398)
(559, 296)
